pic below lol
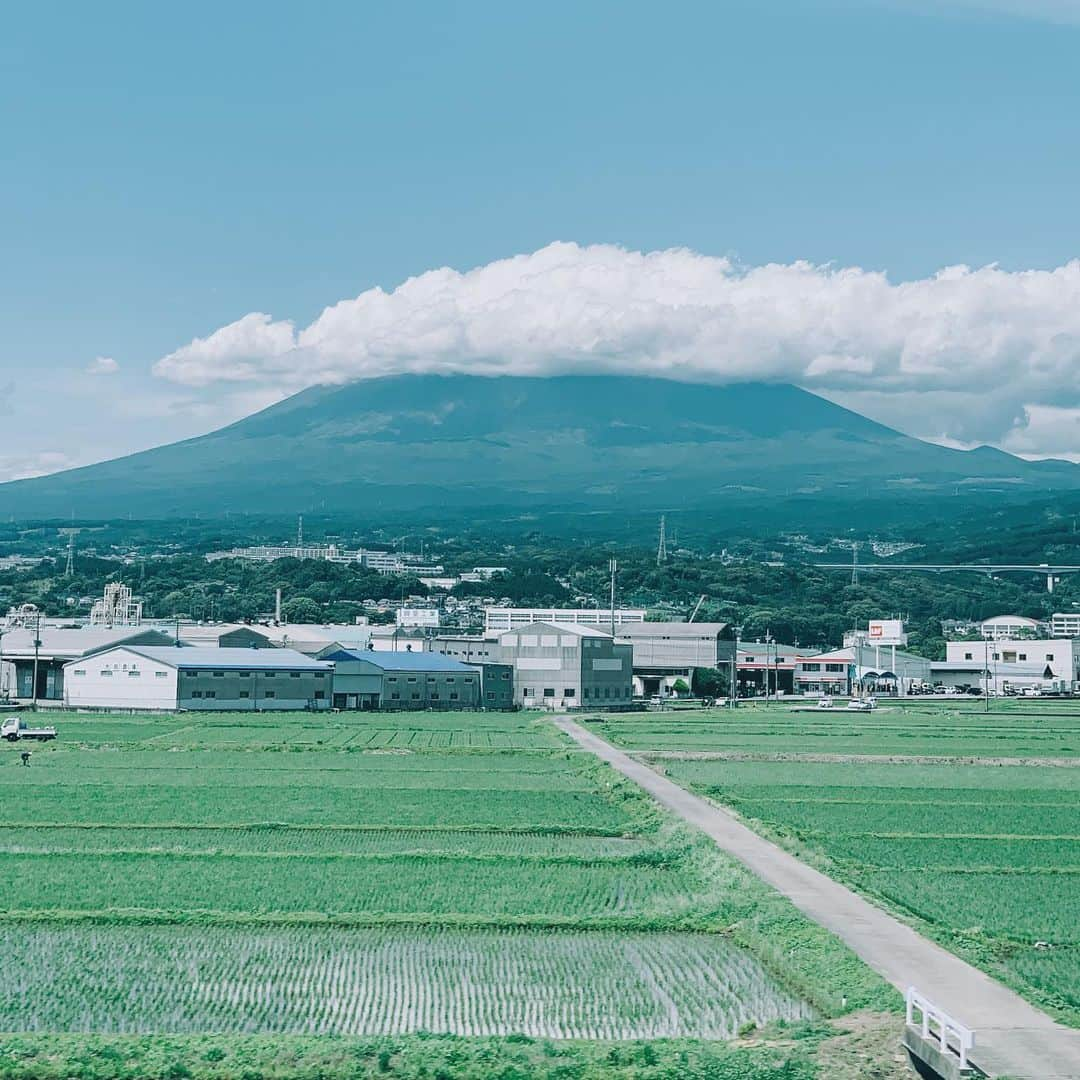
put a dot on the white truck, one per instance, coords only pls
(15, 728)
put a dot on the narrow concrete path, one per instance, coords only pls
(1012, 1037)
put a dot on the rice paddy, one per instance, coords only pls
(970, 829)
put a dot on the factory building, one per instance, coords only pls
(54, 648)
(498, 619)
(1049, 664)
(178, 677)
(567, 666)
(366, 679)
(665, 652)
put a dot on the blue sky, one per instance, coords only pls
(168, 170)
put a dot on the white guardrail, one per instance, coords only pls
(937, 1024)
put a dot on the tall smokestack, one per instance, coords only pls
(277, 607)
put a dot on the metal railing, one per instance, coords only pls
(936, 1024)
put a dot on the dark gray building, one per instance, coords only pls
(370, 679)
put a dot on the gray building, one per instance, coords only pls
(567, 666)
(665, 652)
(199, 678)
(368, 679)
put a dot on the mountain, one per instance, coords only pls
(584, 442)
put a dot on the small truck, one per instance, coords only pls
(15, 728)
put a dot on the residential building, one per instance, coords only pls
(665, 652)
(365, 679)
(197, 678)
(567, 666)
(498, 619)
(1065, 624)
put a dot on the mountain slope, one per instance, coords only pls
(429, 441)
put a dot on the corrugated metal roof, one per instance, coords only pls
(198, 656)
(72, 642)
(402, 661)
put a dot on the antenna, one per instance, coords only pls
(854, 562)
(661, 549)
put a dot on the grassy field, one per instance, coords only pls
(981, 855)
(1044, 729)
(371, 875)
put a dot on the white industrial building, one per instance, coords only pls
(567, 666)
(1049, 664)
(498, 619)
(178, 677)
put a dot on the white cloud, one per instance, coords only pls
(23, 466)
(964, 354)
(102, 365)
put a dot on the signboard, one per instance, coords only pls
(886, 632)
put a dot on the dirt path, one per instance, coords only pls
(1013, 1038)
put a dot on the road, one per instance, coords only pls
(1012, 1037)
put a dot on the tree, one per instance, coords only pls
(681, 687)
(302, 609)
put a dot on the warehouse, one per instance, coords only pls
(47, 650)
(171, 677)
(366, 679)
(666, 653)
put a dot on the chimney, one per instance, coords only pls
(277, 607)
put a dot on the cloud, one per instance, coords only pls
(102, 365)
(41, 463)
(963, 354)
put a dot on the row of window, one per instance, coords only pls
(133, 674)
(415, 696)
(431, 678)
(569, 692)
(1010, 657)
(319, 694)
(828, 667)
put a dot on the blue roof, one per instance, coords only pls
(206, 656)
(401, 661)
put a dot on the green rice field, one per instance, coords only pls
(980, 854)
(376, 875)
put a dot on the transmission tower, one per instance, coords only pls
(855, 562)
(70, 569)
(300, 530)
(661, 550)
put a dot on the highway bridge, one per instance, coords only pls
(1052, 571)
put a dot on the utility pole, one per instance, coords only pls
(613, 566)
(37, 646)
(661, 550)
(986, 675)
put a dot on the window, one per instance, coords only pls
(192, 674)
(811, 667)
(1023, 656)
(527, 692)
(320, 674)
(585, 692)
(491, 695)
(244, 674)
(412, 678)
(294, 674)
(219, 674)
(453, 697)
(967, 656)
(449, 678)
(268, 693)
(79, 671)
(415, 697)
(435, 697)
(395, 696)
(134, 674)
(106, 673)
(568, 692)
(269, 675)
(245, 693)
(506, 675)
(391, 678)
(834, 667)
(211, 693)
(1049, 656)
(320, 695)
(607, 691)
(196, 693)
(161, 674)
(549, 691)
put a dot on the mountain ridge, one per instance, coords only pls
(566, 440)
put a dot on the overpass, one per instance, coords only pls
(990, 569)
